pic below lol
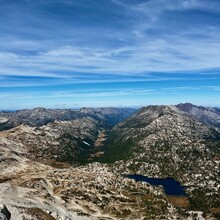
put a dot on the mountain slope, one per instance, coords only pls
(160, 125)
(64, 141)
(162, 141)
(62, 135)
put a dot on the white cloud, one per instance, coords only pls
(169, 52)
(163, 55)
(75, 94)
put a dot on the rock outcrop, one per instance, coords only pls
(4, 213)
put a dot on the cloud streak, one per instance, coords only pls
(194, 48)
(168, 55)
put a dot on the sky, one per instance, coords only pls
(122, 53)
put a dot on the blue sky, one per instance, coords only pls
(74, 53)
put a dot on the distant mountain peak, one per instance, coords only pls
(156, 109)
(207, 115)
(39, 109)
(185, 106)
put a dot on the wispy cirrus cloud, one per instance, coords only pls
(154, 38)
(155, 43)
(168, 55)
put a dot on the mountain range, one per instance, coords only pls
(70, 164)
(42, 116)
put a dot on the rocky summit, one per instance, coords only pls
(73, 164)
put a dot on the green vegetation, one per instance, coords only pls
(116, 149)
(74, 151)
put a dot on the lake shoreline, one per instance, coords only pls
(170, 186)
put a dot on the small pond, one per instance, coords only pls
(170, 185)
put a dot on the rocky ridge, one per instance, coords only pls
(42, 116)
(208, 115)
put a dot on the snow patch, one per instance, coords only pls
(86, 143)
(3, 120)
